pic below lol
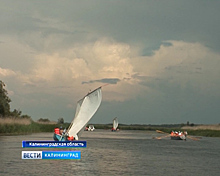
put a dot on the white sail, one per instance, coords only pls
(86, 108)
(115, 123)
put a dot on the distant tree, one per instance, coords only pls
(26, 116)
(60, 120)
(43, 120)
(5, 106)
(16, 113)
(192, 124)
(4, 101)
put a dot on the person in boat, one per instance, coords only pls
(172, 132)
(56, 132)
(86, 129)
(59, 134)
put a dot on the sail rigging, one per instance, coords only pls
(86, 108)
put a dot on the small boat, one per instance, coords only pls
(86, 108)
(174, 135)
(90, 128)
(115, 124)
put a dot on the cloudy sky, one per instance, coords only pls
(161, 58)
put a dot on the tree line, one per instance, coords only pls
(5, 109)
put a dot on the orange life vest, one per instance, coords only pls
(57, 131)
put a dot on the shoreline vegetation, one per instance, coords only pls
(20, 126)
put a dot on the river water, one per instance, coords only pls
(117, 153)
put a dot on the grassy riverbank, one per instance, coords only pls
(16, 126)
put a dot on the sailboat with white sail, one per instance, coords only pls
(115, 124)
(90, 128)
(86, 108)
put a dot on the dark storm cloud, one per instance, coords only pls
(106, 80)
(146, 22)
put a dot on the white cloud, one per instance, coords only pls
(181, 63)
(6, 72)
(178, 63)
(100, 60)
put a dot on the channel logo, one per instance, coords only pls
(51, 155)
(31, 155)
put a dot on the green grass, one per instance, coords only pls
(206, 133)
(13, 129)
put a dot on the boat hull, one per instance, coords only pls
(183, 137)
